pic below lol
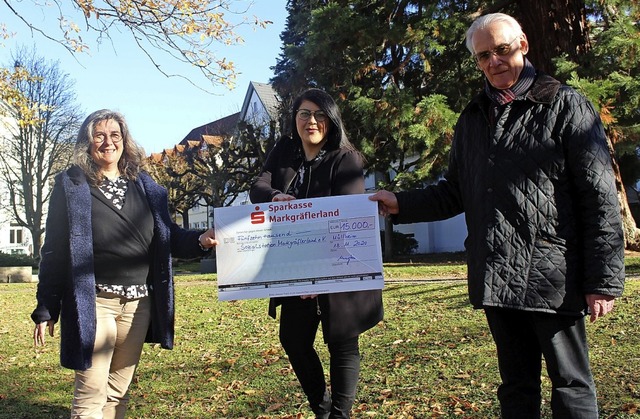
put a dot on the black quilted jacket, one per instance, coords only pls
(539, 198)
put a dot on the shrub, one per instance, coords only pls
(17, 260)
(403, 244)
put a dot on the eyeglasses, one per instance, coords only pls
(500, 51)
(305, 114)
(101, 137)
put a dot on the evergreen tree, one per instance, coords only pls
(401, 72)
(608, 74)
(398, 78)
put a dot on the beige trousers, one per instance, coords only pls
(101, 392)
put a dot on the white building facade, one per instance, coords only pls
(14, 239)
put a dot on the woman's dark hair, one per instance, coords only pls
(132, 158)
(336, 136)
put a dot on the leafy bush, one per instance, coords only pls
(17, 260)
(403, 244)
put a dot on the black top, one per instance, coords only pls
(121, 238)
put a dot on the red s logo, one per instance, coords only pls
(257, 217)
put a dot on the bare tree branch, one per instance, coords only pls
(184, 30)
(40, 118)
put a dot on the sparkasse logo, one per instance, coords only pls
(257, 217)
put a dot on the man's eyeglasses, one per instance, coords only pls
(305, 114)
(500, 51)
(101, 137)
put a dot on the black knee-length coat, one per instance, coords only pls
(336, 172)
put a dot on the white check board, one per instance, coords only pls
(305, 246)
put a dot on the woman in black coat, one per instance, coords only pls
(318, 160)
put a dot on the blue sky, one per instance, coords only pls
(160, 111)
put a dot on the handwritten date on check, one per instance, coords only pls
(305, 246)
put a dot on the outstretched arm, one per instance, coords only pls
(208, 239)
(387, 202)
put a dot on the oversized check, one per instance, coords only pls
(304, 246)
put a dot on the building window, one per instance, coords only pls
(15, 236)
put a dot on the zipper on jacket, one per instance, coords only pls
(306, 195)
(288, 185)
(318, 305)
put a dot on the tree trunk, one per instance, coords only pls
(388, 224)
(36, 239)
(631, 232)
(388, 240)
(185, 219)
(554, 28)
(559, 27)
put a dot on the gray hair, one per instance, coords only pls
(484, 21)
(133, 156)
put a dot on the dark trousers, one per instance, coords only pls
(299, 322)
(522, 338)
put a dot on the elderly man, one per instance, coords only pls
(530, 168)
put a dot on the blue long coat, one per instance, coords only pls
(66, 288)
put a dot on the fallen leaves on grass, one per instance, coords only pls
(630, 408)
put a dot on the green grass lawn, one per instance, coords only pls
(431, 357)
